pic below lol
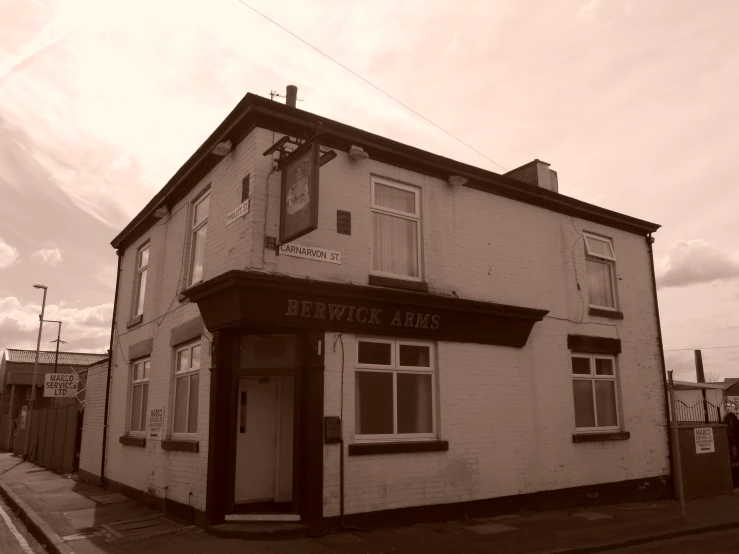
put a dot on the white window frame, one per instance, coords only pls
(403, 215)
(194, 228)
(145, 364)
(607, 260)
(186, 374)
(592, 377)
(396, 368)
(139, 293)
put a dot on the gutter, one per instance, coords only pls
(276, 117)
(650, 241)
(110, 362)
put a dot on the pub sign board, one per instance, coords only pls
(299, 200)
(435, 318)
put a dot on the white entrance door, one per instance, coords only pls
(256, 440)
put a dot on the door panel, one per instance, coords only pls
(256, 440)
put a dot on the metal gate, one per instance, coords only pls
(733, 432)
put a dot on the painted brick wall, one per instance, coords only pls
(507, 413)
(180, 476)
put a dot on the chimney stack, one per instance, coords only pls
(536, 173)
(291, 96)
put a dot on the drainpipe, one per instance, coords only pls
(110, 362)
(650, 241)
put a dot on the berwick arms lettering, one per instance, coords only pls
(350, 314)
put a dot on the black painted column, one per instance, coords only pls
(312, 430)
(219, 493)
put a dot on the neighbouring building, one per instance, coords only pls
(444, 339)
(91, 442)
(16, 370)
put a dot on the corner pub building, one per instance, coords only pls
(313, 322)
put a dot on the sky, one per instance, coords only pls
(633, 102)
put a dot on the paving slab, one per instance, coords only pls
(78, 515)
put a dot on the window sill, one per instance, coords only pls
(129, 440)
(366, 449)
(391, 282)
(610, 314)
(181, 445)
(599, 437)
(135, 320)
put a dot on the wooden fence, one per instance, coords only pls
(55, 436)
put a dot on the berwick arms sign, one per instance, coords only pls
(362, 314)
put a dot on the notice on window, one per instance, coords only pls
(156, 423)
(704, 440)
(60, 385)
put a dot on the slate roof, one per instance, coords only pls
(47, 357)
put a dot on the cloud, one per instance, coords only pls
(695, 262)
(83, 329)
(588, 12)
(51, 256)
(8, 254)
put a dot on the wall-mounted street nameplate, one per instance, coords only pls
(241, 211)
(311, 253)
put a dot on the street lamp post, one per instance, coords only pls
(35, 372)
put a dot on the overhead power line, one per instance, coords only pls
(406, 106)
(704, 348)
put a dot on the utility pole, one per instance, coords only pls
(676, 446)
(56, 355)
(701, 378)
(57, 341)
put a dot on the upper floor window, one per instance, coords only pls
(139, 395)
(396, 218)
(394, 389)
(187, 377)
(594, 390)
(601, 266)
(197, 239)
(142, 269)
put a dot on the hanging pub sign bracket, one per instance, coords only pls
(300, 179)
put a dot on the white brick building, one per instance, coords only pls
(479, 344)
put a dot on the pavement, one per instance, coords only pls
(69, 517)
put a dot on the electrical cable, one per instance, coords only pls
(372, 84)
(704, 348)
(182, 265)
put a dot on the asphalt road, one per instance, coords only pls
(720, 542)
(14, 537)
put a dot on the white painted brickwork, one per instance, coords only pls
(507, 413)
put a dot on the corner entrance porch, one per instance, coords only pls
(266, 401)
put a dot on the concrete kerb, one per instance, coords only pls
(38, 527)
(644, 539)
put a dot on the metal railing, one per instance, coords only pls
(701, 411)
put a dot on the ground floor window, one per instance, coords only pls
(595, 392)
(187, 377)
(139, 395)
(394, 389)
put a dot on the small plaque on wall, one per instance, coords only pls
(343, 222)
